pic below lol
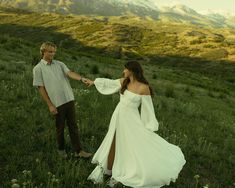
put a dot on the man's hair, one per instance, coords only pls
(45, 45)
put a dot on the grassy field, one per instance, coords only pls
(194, 103)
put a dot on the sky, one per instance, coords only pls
(202, 5)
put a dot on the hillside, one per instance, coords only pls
(190, 69)
(126, 34)
(143, 8)
(126, 37)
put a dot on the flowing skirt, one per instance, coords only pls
(143, 159)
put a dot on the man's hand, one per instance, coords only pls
(45, 97)
(53, 109)
(88, 82)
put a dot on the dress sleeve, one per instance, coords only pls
(147, 113)
(107, 86)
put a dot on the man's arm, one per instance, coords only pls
(45, 97)
(74, 75)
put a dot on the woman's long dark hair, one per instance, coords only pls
(137, 70)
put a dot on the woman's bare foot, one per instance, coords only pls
(83, 154)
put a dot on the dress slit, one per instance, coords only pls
(112, 152)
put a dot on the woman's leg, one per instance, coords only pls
(111, 153)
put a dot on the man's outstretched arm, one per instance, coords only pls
(74, 75)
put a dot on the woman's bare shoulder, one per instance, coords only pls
(144, 89)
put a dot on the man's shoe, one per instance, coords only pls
(83, 154)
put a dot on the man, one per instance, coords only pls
(51, 78)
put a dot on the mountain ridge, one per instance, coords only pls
(122, 36)
(143, 8)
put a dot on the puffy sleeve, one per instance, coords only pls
(107, 86)
(147, 113)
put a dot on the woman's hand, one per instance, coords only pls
(88, 82)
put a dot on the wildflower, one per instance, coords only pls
(196, 178)
(55, 180)
(37, 160)
(206, 186)
(24, 171)
(15, 185)
(13, 180)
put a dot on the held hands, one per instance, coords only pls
(87, 81)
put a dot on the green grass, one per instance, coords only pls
(194, 103)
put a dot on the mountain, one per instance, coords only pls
(180, 9)
(96, 7)
(220, 16)
(184, 14)
(119, 36)
(231, 22)
(142, 8)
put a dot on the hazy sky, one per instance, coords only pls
(202, 5)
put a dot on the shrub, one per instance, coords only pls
(196, 41)
(94, 69)
(215, 54)
(189, 91)
(106, 75)
(169, 91)
(154, 76)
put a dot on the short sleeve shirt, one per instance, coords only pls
(54, 78)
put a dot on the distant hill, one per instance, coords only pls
(121, 36)
(142, 8)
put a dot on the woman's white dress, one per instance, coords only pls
(143, 159)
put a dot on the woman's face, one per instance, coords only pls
(126, 73)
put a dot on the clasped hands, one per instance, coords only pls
(87, 81)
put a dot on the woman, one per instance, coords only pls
(131, 153)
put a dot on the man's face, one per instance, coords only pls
(49, 53)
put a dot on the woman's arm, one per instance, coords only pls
(121, 80)
(89, 82)
(105, 86)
